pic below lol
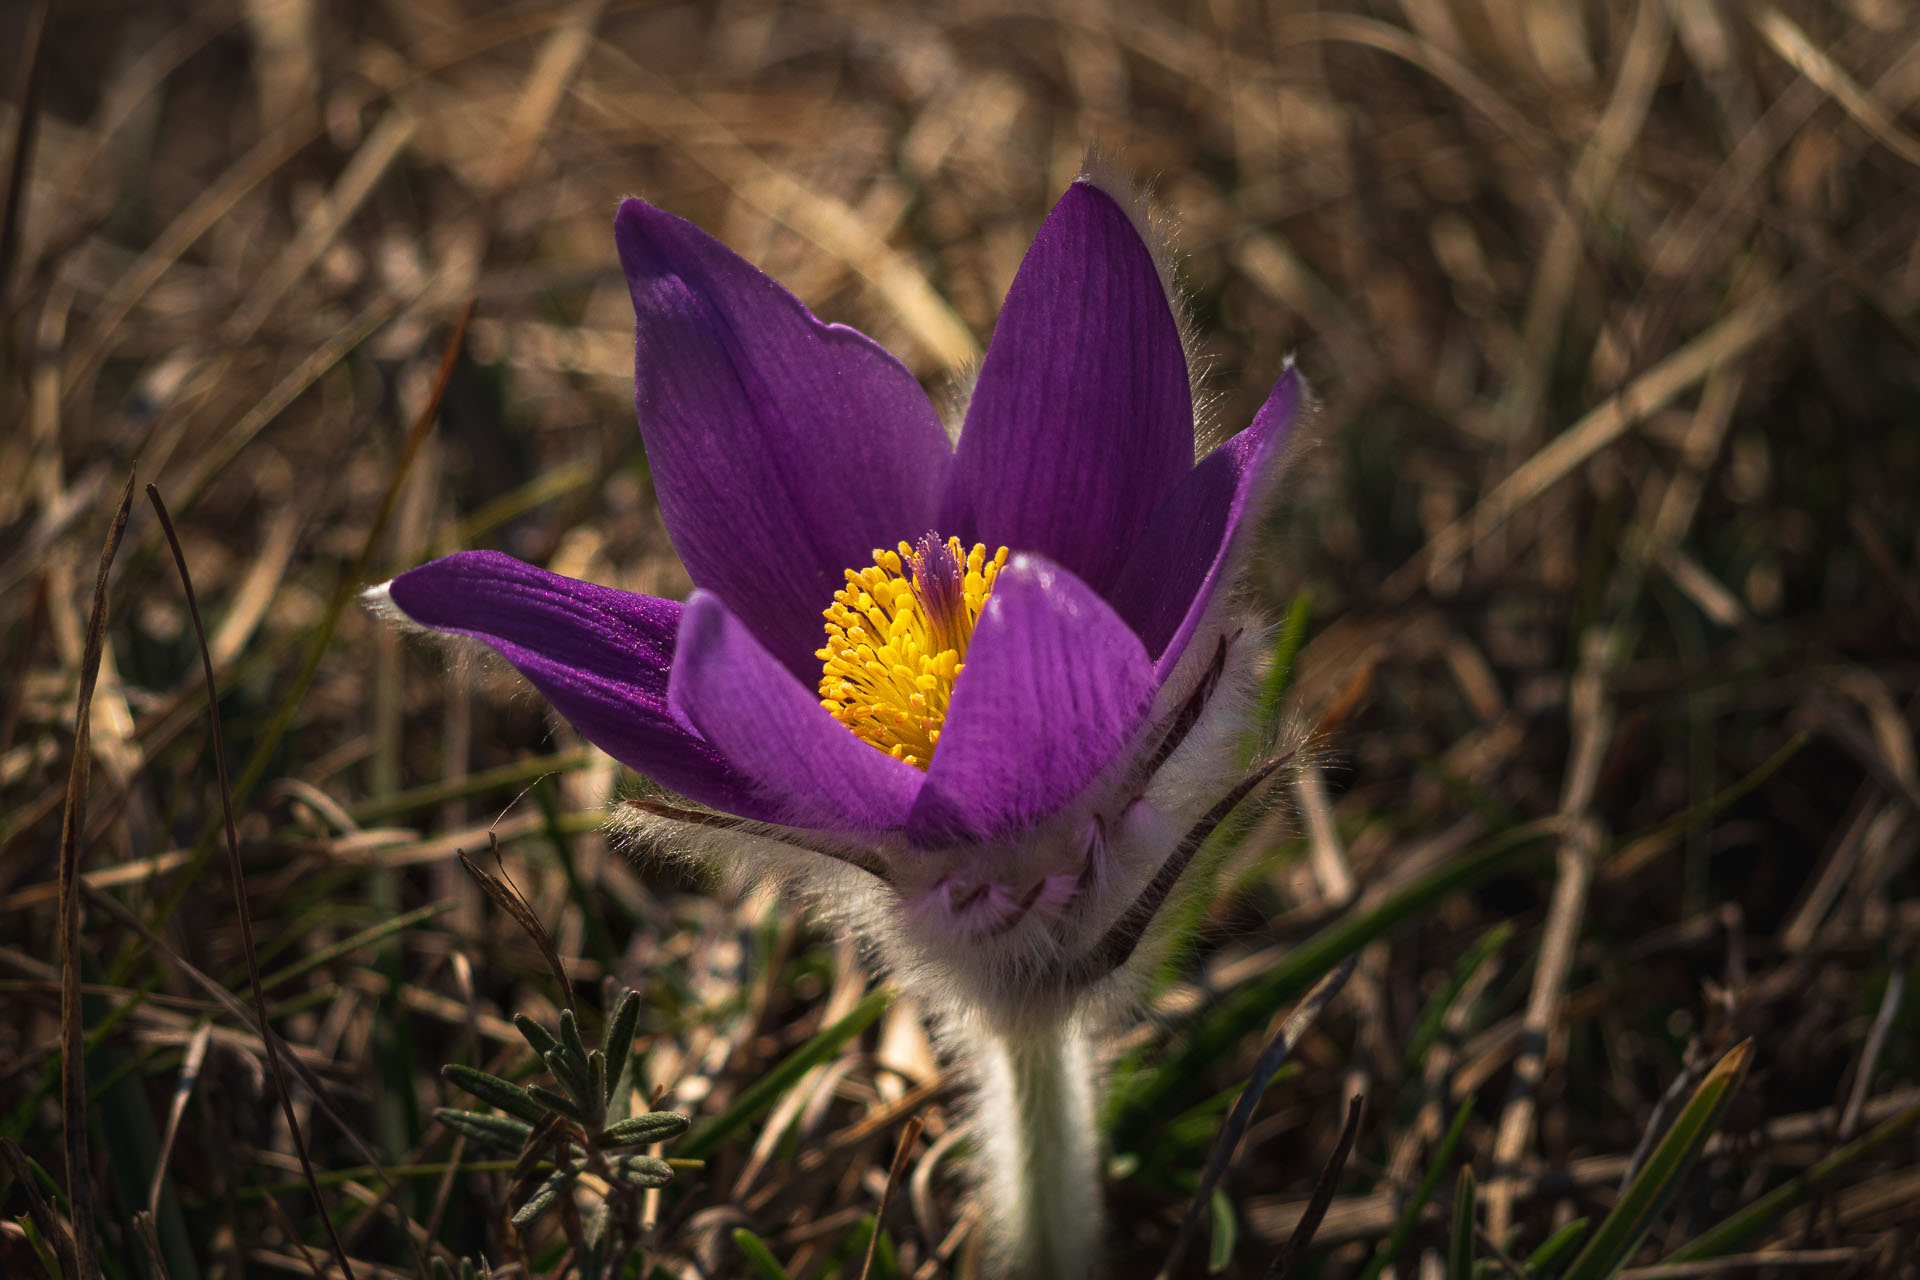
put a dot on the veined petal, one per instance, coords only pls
(804, 767)
(1055, 684)
(1187, 549)
(1081, 422)
(783, 450)
(599, 655)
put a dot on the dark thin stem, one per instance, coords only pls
(73, 1062)
(1116, 947)
(1296, 1025)
(238, 876)
(1304, 1230)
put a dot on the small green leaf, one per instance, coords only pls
(555, 1101)
(654, 1126)
(1390, 1248)
(499, 1131)
(545, 1196)
(1542, 1261)
(504, 1094)
(618, 1041)
(1226, 1232)
(572, 1075)
(1647, 1196)
(570, 1038)
(1460, 1251)
(596, 1231)
(642, 1171)
(536, 1035)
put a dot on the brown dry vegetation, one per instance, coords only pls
(1611, 528)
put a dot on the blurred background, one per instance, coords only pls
(1600, 582)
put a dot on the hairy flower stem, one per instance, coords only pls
(1039, 1167)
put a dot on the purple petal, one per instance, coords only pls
(1054, 686)
(600, 656)
(1184, 554)
(806, 768)
(1082, 421)
(783, 450)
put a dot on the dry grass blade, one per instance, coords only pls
(328, 217)
(267, 157)
(1442, 66)
(559, 62)
(829, 223)
(242, 1014)
(1791, 43)
(1303, 1232)
(1605, 423)
(1626, 113)
(1870, 1056)
(182, 1091)
(509, 899)
(39, 1210)
(1592, 725)
(351, 581)
(1295, 1026)
(238, 876)
(73, 1068)
(298, 381)
(1735, 1262)
(909, 1135)
(20, 153)
(149, 1234)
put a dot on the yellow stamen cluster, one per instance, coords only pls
(897, 638)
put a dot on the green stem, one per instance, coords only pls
(1039, 1166)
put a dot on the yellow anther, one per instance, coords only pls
(897, 637)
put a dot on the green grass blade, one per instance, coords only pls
(1767, 1209)
(1226, 1232)
(1460, 1248)
(1211, 1037)
(1648, 1195)
(127, 1134)
(347, 946)
(1429, 1183)
(520, 773)
(763, 1093)
(1544, 1260)
(1713, 804)
(1426, 1029)
(1293, 634)
(759, 1258)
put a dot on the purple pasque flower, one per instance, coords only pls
(1013, 712)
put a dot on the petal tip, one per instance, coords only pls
(704, 615)
(378, 600)
(649, 239)
(631, 216)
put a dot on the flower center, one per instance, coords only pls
(897, 637)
